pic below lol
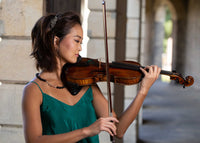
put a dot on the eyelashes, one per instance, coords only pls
(78, 41)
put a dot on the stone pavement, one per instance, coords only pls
(171, 114)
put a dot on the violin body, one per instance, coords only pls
(90, 71)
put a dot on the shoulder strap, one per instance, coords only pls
(37, 85)
(89, 94)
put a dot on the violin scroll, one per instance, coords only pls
(188, 81)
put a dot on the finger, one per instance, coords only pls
(109, 122)
(159, 71)
(143, 70)
(113, 119)
(111, 126)
(108, 127)
(109, 131)
(151, 70)
(154, 68)
(156, 71)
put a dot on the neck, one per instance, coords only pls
(60, 64)
(51, 78)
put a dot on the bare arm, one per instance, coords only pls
(131, 112)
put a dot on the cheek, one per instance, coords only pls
(67, 51)
(66, 46)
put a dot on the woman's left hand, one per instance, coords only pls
(150, 77)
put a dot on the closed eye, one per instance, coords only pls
(78, 41)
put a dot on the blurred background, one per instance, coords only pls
(161, 32)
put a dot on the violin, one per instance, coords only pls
(89, 71)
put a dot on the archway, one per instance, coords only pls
(164, 40)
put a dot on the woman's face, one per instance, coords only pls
(70, 46)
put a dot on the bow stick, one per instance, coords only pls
(107, 65)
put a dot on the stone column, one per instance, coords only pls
(192, 60)
(157, 48)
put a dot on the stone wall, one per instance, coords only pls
(16, 67)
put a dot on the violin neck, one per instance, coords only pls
(135, 67)
(125, 66)
(166, 72)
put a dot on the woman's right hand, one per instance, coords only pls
(102, 124)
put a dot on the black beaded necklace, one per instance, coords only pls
(44, 80)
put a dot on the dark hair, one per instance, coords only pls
(43, 37)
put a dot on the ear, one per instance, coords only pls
(56, 42)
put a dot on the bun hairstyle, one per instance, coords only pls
(43, 33)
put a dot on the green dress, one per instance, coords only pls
(58, 117)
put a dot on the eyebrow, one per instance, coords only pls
(78, 36)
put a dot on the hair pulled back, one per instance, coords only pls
(43, 34)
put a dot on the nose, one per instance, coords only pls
(80, 47)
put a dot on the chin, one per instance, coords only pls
(73, 61)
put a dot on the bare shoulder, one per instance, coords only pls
(31, 93)
(31, 101)
(99, 102)
(96, 90)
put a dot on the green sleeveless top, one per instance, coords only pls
(58, 117)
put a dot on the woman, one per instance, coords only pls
(50, 112)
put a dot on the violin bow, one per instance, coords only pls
(110, 109)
